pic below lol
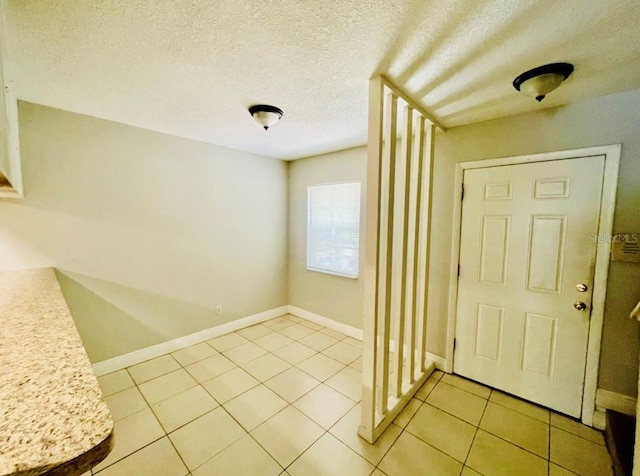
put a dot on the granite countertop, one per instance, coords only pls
(53, 418)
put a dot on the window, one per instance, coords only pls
(333, 228)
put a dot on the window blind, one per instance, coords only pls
(333, 228)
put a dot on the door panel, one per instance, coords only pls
(524, 247)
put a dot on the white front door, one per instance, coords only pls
(527, 252)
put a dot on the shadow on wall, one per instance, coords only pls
(113, 319)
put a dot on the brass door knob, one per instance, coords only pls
(579, 305)
(582, 288)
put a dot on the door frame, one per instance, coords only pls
(603, 251)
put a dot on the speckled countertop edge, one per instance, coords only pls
(51, 406)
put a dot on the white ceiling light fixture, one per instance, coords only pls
(540, 81)
(265, 115)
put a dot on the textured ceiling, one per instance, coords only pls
(191, 68)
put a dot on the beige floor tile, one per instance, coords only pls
(168, 385)
(354, 342)
(273, 341)
(230, 384)
(245, 457)
(343, 352)
(183, 408)
(467, 471)
(324, 405)
(320, 366)
(346, 430)
(227, 341)
(210, 368)
(357, 364)
(578, 454)
(265, 367)
(287, 435)
(254, 332)
(555, 470)
(278, 323)
(292, 384)
(491, 455)
(407, 413)
(255, 406)
(294, 353)
(410, 455)
(125, 403)
(206, 437)
(157, 458)
(349, 382)
(329, 457)
(517, 428)
(245, 353)
(311, 325)
(318, 341)
(153, 368)
(194, 353)
(427, 387)
(131, 434)
(458, 402)
(332, 333)
(468, 385)
(572, 426)
(521, 406)
(443, 431)
(115, 382)
(293, 318)
(296, 331)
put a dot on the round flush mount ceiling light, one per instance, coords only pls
(540, 81)
(265, 115)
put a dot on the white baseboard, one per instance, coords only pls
(599, 420)
(142, 355)
(327, 322)
(440, 362)
(608, 400)
(132, 358)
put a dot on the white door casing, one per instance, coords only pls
(527, 239)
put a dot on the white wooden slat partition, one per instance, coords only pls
(398, 225)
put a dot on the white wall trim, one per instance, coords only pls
(132, 358)
(440, 362)
(142, 355)
(599, 420)
(327, 322)
(607, 208)
(618, 402)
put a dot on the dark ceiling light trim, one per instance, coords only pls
(265, 115)
(540, 81)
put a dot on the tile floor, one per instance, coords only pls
(282, 398)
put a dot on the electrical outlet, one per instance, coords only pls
(218, 310)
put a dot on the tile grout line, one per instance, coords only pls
(221, 405)
(476, 432)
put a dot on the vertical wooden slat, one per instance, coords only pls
(386, 254)
(407, 119)
(371, 259)
(428, 197)
(398, 228)
(414, 325)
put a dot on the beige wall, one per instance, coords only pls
(607, 120)
(149, 231)
(331, 296)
